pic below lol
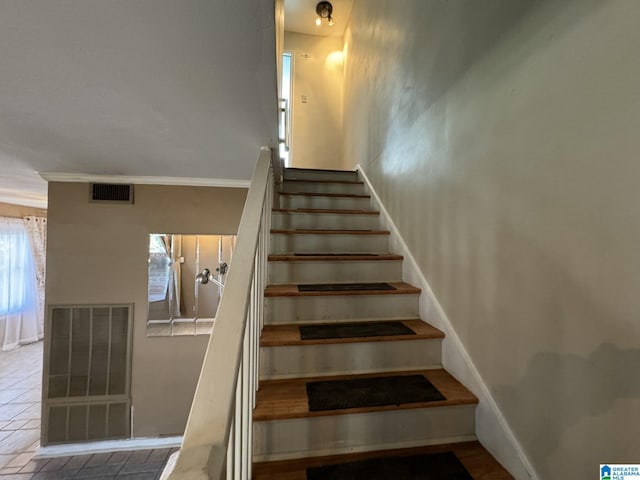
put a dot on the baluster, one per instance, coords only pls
(245, 406)
(230, 451)
(252, 347)
(250, 392)
(237, 447)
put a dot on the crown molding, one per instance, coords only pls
(27, 199)
(144, 180)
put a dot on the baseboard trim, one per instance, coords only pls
(492, 428)
(107, 446)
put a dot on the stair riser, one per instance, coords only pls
(281, 310)
(324, 221)
(305, 437)
(320, 175)
(313, 243)
(348, 358)
(332, 203)
(335, 272)
(313, 187)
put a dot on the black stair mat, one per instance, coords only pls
(335, 254)
(370, 392)
(343, 287)
(435, 466)
(352, 330)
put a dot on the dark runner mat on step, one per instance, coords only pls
(436, 466)
(370, 392)
(352, 330)
(343, 287)
(335, 254)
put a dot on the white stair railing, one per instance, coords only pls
(217, 442)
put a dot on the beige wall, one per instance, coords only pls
(98, 253)
(503, 139)
(316, 124)
(19, 211)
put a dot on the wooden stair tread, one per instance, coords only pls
(313, 231)
(283, 257)
(289, 334)
(298, 169)
(349, 182)
(315, 194)
(282, 399)
(291, 290)
(478, 462)
(326, 210)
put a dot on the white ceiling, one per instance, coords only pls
(139, 88)
(300, 17)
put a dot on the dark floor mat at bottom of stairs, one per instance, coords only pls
(370, 392)
(437, 466)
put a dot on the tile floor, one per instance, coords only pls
(20, 380)
(20, 387)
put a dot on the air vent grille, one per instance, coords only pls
(87, 379)
(111, 192)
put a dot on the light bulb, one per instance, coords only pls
(318, 21)
(331, 22)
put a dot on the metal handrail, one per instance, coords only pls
(286, 123)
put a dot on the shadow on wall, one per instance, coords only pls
(529, 302)
(471, 29)
(582, 387)
(460, 35)
(427, 62)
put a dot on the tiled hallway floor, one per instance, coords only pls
(139, 465)
(20, 380)
(20, 387)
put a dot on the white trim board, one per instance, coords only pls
(144, 180)
(492, 428)
(28, 199)
(107, 446)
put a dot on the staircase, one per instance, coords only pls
(351, 380)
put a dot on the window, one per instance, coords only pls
(17, 271)
(21, 319)
(159, 266)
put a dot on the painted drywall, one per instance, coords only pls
(279, 36)
(97, 254)
(174, 88)
(317, 101)
(19, 211)
(502, 138)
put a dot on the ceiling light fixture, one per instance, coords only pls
(324, 10)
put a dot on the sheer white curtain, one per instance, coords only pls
(37, 230)
(20, 321)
